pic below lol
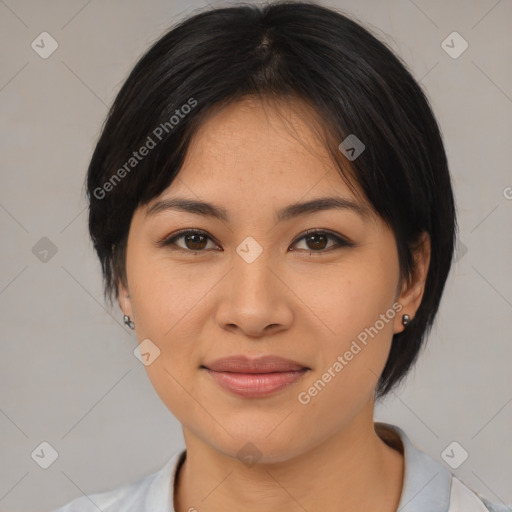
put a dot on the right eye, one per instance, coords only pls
(194, 241)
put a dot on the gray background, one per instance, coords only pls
(67, 369)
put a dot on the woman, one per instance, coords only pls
(271, 204)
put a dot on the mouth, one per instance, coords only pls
(255, 378)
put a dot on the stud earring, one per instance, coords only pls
(128, 322)
(405, 319)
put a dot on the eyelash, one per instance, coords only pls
(170, 241)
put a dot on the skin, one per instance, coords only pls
(291, 301)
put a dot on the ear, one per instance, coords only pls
(413, 288)
(124, 299)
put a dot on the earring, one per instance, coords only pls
(405, 319)
(128, 322)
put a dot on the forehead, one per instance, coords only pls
(270, 146)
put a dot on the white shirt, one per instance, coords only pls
(428, 486)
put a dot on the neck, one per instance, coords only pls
(335, 475)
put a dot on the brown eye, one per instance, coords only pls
(317, 241)
(193, 241)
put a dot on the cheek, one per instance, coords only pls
(355, 304)
(164, 293)
(166, 299)
(350, 296)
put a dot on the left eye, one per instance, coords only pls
(196, 241)
(318, 240)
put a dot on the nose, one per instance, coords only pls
(255, 299)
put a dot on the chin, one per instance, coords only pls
(261, 442)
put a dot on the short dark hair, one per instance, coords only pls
(353, 81)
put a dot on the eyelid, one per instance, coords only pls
(341, 240)
(169, 240)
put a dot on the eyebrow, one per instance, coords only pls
(286, 213)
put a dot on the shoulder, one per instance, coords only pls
(153, 492)
(462, 498)
(127, 498)
(446, 492)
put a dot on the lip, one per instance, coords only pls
(255, 378)
(262, 364)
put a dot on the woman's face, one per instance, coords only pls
(256, 285)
